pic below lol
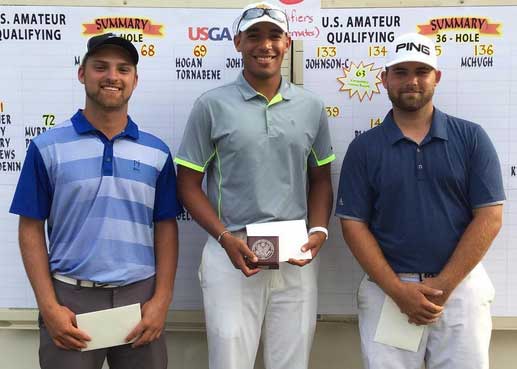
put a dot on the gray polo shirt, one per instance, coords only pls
(255, 152)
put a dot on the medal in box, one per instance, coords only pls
(266, 250)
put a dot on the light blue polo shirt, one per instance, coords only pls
(100, 198)
(418, 198)
(255, 152)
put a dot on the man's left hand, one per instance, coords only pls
(314, 244)
(151, 326)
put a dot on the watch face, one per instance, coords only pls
(263, 249)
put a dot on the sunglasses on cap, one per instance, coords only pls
(255, 13)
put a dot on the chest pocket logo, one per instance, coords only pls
(136, 165)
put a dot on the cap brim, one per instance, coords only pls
(412, 59)
(121, 42)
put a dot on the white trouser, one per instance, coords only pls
(283, 302)
(459, 340)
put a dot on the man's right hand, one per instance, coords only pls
(240, 255)
(412, 300)
(62, 327)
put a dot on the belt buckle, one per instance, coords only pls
(101, 285)
(85, 284)
(427, 275)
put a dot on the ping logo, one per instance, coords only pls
(136, 165)
(408, 46)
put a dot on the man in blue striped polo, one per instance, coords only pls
(108, 194)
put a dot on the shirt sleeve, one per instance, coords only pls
(196, 149)
(355, 195)
(34, 193)
(166, 203)
(485, 179)
(321, 151)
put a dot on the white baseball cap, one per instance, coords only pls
(412, 47)
(261, 12)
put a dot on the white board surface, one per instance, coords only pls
(40, 46)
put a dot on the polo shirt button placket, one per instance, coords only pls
(419, 161)
(268, 123)
(108, 159)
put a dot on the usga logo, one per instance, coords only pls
(205, 33)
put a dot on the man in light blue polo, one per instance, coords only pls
(420, 201)
(108, 194)
(261, 141)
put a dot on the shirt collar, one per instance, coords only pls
(249, 92)
(82, 126)
(438, 127)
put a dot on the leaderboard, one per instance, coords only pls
(477, 53)
(184, 52)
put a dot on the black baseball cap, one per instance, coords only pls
(97, 42)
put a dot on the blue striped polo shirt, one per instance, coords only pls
(100, 198)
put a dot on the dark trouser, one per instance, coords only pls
(83, 300)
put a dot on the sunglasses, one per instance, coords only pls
(255, 13)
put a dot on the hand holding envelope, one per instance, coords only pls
(314, 243)
(393, 328)
(109, 327)
(292, 235)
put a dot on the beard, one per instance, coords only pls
(408, 103)
(107, 102)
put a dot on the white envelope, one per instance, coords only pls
(109, 327)
(394, 329)
(292, 235)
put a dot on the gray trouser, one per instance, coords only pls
(83, 300)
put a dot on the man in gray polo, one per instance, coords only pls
(258, 139)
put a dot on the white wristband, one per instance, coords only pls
(319, 229)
